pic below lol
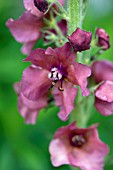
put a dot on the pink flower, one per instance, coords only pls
(103, 38)
(27, 108)
(55, 68)
(104, 98)
(28, 28)
(80, 40)
(78, 147)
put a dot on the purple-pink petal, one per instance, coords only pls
(63, 55)
(103, 107)
(37, 57)
(35, 83)
(104, 98)
(65, 100)
(58, 153)
(30, 6)
(102, 70)
(27, 47)
(27, 108)
(49, 58)
(78, 74)
(105, 91)
(26, 29)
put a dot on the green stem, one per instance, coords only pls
(83, 110)
(75, 15)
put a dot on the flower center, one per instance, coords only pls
(77, 140)
(55, 76)
(42, 5)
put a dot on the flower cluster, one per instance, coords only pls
(61, 72)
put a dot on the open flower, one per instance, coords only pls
(103, 38)
(27, 29)
(27, 108)
(55, 68)
(104, 98)
(78, 147)
(80, 40)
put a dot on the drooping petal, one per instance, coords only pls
(104, 98)
(29, 109)
(26, 29)
(103, 38)
(80, 40)
(77, 74)
(30, 6)
(105, 91)
(102, 70)
(27, 47)
(28, 114)
(35, 83)
(65, 100)
(103, 107)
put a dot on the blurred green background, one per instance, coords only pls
(25, 147)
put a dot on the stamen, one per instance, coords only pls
(53, 83)
(61, 88)
(77, 140)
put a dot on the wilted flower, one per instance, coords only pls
(27, 108)
(80, 40)
(103, 38)
(78, 147)
(104, 98)
(55, 67)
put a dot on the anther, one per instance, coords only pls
(78, 140)
(61, 88)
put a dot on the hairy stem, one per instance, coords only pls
(75, 15)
